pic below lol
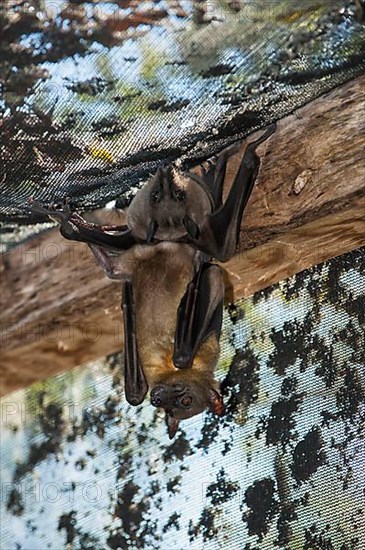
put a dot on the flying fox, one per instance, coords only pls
(172, 291)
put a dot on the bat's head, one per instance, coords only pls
(185, 398)
(169, 206)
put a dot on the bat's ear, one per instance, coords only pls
(216, 404)
(172, 425)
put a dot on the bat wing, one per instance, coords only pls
(213, 176)
(135, 382)
(219, 233)
(199, 314)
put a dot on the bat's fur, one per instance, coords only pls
(160, 283)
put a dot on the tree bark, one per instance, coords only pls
(308, 205)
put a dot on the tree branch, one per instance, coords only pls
(59, 310)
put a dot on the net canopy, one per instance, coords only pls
(95, 95)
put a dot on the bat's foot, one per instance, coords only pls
(61, 213)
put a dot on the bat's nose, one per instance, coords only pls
(156, 397)
(156, 401)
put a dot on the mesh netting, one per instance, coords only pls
(96, 95)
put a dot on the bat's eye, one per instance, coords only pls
(178, 194)
(186, 401)
(155, 196)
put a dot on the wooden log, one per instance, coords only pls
(59, 310)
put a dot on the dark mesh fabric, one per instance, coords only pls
(96, 95)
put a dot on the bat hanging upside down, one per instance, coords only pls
(172, 294)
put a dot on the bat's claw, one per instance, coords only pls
(58, 211)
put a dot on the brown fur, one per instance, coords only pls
(159, 285)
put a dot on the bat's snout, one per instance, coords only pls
(157, 397)
(156, 401)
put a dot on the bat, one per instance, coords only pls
(172, 292)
